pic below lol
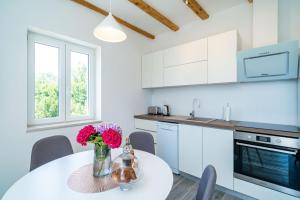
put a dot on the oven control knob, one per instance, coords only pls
(278, 140)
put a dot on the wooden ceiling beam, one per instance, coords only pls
(198, 10)
(155, 14)
(118, 19)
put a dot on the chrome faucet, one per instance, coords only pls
(192, 115)
(195, 102)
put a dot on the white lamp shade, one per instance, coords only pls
(109, 30)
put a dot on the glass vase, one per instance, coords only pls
(102, 161)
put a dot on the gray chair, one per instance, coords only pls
(142, 141)
(207, 184)
(48, 149)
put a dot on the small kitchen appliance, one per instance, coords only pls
(165, 110)
(154, 110)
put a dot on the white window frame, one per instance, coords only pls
(91, 83)
(64, 84)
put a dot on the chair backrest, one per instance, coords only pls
(207, 184)
(142, 141)
(48, 149)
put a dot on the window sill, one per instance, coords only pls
(34, 128)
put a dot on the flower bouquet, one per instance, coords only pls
(105, 136)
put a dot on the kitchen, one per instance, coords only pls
(210, 139)
(215, 108)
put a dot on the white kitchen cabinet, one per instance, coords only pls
(152, 70)
(260, 192)
(144, 124)
(186, 53)
(187, 74)
(147, 63)
(190, 149)
(157, 73)
(148, 126)
(205, 61)
(222, 65)
(218, 152)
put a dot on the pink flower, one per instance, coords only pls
(112, 138)
(84, 134)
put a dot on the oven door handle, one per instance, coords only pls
(266, 148)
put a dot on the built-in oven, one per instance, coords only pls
(267, 160)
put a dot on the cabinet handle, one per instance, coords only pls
(165, 129)
(264, 53)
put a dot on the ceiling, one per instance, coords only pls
(175, 10)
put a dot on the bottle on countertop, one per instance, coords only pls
(227, 112)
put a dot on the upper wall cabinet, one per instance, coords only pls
(152, 70)
(147, 68)
(186, 53)
(222, 64)
(186, 74)
(209, 60)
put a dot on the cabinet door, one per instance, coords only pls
(222, 49)
(186, 53)
(147, 125)
(187, 74)
(152, 70)
(218, 152)
(147, 63)
(190, 149)
(157, 69)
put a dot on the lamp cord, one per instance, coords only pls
(110, 6)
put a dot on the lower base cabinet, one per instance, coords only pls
(149, 126)
(260, 192)
(190, 149)
(218, 151)
(201, 146)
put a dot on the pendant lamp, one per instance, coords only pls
(109, 29)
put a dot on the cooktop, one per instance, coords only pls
(275, 127)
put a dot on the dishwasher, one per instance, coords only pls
(167, 144)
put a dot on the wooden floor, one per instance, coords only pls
(185, 188)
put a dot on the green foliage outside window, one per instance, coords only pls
(79, 90)
(47, 94)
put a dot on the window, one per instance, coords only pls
(60, 80)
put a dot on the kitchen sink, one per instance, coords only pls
(200, 119)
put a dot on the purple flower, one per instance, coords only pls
(103, 126)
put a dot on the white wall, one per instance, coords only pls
(271, 102)
(258, 102)
(265, 23)
(121, 93)
(239, 17)
(289, 16)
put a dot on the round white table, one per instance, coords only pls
(49, 182)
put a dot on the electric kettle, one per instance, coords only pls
(165, 110)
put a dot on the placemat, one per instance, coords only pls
(82, 180)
